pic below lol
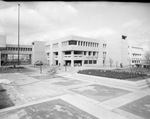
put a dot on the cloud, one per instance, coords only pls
(35, 21)
(132, 23)
(56, 11)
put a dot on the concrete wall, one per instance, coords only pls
(38, 52)
(2, 41)
(117, 50)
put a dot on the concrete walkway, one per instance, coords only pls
(33, 91)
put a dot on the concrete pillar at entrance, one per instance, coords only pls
(72, 63)
(72, 58)
(82, 63)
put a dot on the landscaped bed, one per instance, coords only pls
(115, 74)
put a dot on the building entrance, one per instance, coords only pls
(78, 63)
(68, 62)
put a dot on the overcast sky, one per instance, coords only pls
(47, 21)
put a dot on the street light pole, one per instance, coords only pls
(18, 30)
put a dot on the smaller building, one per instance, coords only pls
(28, 54)
(135, 55)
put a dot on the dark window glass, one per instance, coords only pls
(85, 61)
(72, 42)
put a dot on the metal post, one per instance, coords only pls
(40, 69)
(18, 30)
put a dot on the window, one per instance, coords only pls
(104, 54)
(67, 52)
(90, 61)
(55, 45)
(48, 54)
(89, 53)
(84, 52)
(85, 61)
(104, 45)
(94, 53)
(47, 46)
(94, 61)
(72, 42)
(78, 42)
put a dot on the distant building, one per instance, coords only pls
(135, 54)
(28, 54)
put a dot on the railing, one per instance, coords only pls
(78, 55)
(67, 55)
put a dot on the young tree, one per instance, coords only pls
(117, 64)
(129, 61)
(147, 58)
(110, 62)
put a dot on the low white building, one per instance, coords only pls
(82, 51)
(73, 51)
(135, 55)
(28, 54)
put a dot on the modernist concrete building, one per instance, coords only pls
(28, 54)
(75, 50)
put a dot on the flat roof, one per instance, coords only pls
(72, 37)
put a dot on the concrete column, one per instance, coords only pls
(87, 53)
(91, 53)
(72, 58)
(0, 58)
(82, 62)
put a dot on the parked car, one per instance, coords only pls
(38, 63)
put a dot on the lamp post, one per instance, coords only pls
(18, 30)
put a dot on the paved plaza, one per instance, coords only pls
(66, 96)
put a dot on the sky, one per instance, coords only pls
(46, 21)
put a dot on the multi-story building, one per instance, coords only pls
(81, 51)
(73, 51)
(28, 54)
(135, 54)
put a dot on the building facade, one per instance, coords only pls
(135, 55)
(73, 51)
(81, 51)
(28, 54)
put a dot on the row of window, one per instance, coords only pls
(136, 58)
(16, 49)
(136, 54)
(136, 61)
(80, 43)
(90, 61)
(90, 53)
(47, 47)
(55, 45)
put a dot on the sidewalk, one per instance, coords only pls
(70, 91)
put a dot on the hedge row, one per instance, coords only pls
(112, 74)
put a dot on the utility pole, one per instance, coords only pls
(18, 30)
